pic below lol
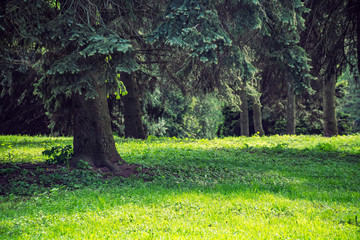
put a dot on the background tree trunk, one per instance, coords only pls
(134, 127)
(329, 84)
(257, 114)
(290, 109)
(257, 118)
(93, 138)
(244, 115)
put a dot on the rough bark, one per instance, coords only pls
(244, 115)
(290, 109)
(329, 117)
(93, 138)
(134, 127)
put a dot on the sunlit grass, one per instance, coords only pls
(17, 149)
(279, 187)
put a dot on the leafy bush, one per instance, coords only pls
(58, 154)
(327, 147)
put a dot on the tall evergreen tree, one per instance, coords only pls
(81, 55)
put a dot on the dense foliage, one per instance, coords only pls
(242, 51)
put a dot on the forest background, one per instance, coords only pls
(199, 69)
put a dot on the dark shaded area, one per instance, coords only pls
(231, 123)
(21, 111)
(28, 178)
(134, 127)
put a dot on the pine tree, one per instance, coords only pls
(81, 55)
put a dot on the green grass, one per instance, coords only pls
(279, 187)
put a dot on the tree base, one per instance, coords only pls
(122, 168)
(118, 168)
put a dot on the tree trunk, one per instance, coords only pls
(244, 115)
(358, 37)
(93, 138)
(354, 9)
(257, 118)
(257, 114)
(330, 122)
(132, 108)
(290, 109)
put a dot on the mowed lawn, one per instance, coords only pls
(278, 187)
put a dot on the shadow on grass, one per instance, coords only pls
(311, 174)
(186, 180)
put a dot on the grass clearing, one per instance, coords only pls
(278, 187)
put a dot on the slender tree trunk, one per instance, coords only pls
(132, 108)
(257, 114)
(358, 37)
(244, 115)
(290, 109)
(93, 138)
(330, 122)
(257, 117)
